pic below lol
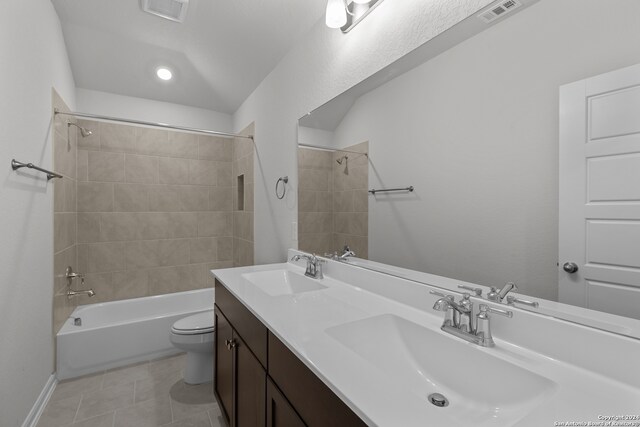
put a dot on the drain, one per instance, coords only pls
(438, 400)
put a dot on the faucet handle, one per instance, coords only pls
(476, 291)
(511, 300)
(484, 309)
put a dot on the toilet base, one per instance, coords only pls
(199, 368)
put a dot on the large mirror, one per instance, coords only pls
(470, 122)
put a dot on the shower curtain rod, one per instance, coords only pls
(318, 147)
(161, 125)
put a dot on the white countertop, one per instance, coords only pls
(379, 397)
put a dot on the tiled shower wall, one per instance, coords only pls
(351, 200)
(154, 210)
(333, 201)
(243, 189)
(64, 212)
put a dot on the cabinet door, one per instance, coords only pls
(224, 364)
(280, 413)
(250, 387)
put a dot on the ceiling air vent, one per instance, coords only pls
(499, 10)
(174, 10)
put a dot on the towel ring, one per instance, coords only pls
(284, 180)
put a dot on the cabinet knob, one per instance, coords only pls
(230, 344)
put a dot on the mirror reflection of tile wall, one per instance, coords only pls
(333, 200)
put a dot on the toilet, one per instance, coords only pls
(194, 334)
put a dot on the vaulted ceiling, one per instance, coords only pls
(218, 56)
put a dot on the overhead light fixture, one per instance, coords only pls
(173, 10)
(345, 14)
(164, 73)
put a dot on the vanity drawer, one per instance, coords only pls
(311, 398)
(252, 331)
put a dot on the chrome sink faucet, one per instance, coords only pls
(460, 320)
(346, 253)
(498, 295)
(314, 265)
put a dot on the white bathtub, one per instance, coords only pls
(119, 333)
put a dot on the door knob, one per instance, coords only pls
(570, 267)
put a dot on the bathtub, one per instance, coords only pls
(119, 333)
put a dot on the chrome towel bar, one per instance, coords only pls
(17, 165)
(385, 190)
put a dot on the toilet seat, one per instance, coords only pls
(198, 324)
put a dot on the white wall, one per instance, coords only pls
(475, 130)
(34, 59)
(311, 136)
(110, 104)
(322, 65)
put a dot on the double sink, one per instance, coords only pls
(468, 382)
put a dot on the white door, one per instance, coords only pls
(600, 192)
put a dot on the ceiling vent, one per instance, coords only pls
(499, 10)
(174, 10)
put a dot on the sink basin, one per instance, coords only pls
(482, 389)
(282, 282)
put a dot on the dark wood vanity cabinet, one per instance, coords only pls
(280, 413)
(259, 382)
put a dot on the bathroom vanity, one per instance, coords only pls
(360, 347)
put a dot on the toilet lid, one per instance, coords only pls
(200, 323)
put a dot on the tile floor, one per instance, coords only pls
(149, 394)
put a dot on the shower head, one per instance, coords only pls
(83, 131)
(342, 159)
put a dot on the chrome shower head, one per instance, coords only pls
(342, 159)
(83, 131)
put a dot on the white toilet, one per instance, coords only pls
(194, 334)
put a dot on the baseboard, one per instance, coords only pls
(41, 402)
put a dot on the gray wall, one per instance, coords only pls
(34, 60)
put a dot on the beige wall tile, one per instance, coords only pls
(215, 224)
(117, 137)
(361, 201)
(225, 248)
(224, 176)
(175, 279)
(82, 173)
(153, 225)
(249, 197)
(194, 198)
(151, 141)
(183, 224)
(343, 201)
(64, 155)
(64, 229)
(88, 227)
(183, 144)
(130, 198)
(95, 197)
(314, 180)
(107, 167)
(173, 171)
(215, 148)
(315, 159)
(243, 253)
(104, 257)
(141, 169)
(130, 284)
(58, 195)
(316, 243)
(157, 253)
(324, 201)
(220, 199)
(62, 309)
(118, 226)
(358, 244)
(242, 147)
(307, 201)
(204, 249)
(164, 199)
(203, 172)
(243, 225)
(315, 222)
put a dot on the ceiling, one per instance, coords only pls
(218, 56)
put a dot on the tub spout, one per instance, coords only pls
(72, 293)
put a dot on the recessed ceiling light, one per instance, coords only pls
(164, 73)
